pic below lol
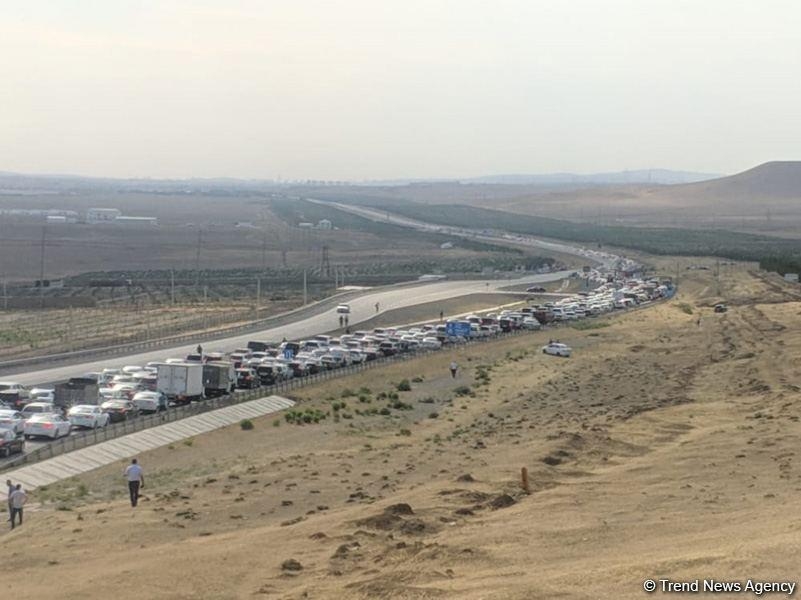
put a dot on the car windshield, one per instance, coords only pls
(41, 418)
(4, 414)
(82, 410)
(5, 386)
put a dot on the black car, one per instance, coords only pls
(120, 410)
(10, 442)
(536, 290)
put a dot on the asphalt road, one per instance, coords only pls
(362, 309)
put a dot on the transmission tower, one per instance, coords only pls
(325, 263)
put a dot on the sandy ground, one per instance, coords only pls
(662, 449)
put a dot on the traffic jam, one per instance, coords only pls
(116, 394)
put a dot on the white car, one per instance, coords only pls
(12, 419)
(149, 402)
(47, 425)
(431, 343)
(37, 408)
(531, 323)
(87, 415)
(557, 349)
(343, 309)
(42, 395)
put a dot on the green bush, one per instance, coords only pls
(246, 424)
(405, 432)
(685, 308)
(462, 390)
(404, 386)
(385, 411)
(418, 379)
(347, 393)
(433, 415)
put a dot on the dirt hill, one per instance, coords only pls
(662, 448)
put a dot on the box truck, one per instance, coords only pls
(219, 378)
(180, 382)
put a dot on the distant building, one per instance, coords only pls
(102, 215)
(306, 225)
(324, 224)
(791, 277)
(136, 221)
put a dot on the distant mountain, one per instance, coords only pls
(777, 179)
(645, 176)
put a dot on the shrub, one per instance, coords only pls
(189, 442)
(685, 308)
(247, 424)
(364, 399)
(405, 432)
(433, 415)
(276, 423)
(400, 405)
(404, 386)
(462, 390)
(347, 393)
(365, 390)
(385, 411)
(393, 396)
(418, 379)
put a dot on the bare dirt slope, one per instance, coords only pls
(663, 448)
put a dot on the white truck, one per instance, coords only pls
(180, 382)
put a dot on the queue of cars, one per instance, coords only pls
(94, 400)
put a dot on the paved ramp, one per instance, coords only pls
(89, 458)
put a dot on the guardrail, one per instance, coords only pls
(312, 309)
(176, 413)
(112, 431)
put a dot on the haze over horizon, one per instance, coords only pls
(368, 91)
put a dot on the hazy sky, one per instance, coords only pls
(366, 89)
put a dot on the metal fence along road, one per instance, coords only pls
(88, 438)
(105, 453)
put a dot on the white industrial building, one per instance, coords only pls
(324, 224)
(102, 215)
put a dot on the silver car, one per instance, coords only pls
(12, 419)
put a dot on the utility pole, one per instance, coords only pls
(172, 286)
(264, 252)
(258, 296)
(5, 296)
(197, 256)
(336, 277)
(42, 267)
(205, 307)
(304, 287)
(342, 277)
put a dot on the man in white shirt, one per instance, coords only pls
(18, 499)
(136, 480)
(454, 367)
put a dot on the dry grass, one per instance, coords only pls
(661, 449)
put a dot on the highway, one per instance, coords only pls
(362, 309)
(486, 235)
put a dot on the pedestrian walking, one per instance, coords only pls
(18, 500)
(136, 481)
(346, 320)
(454, 367)
(341, 320)
(10, 490)
(376, 307)
(200, 349)
(698, 322)
(441, 315)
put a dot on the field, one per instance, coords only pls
(663, 448)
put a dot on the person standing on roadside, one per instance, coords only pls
(454, 367)
(18, 500)
(376, 307)
(136, 481)
(10, 490)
